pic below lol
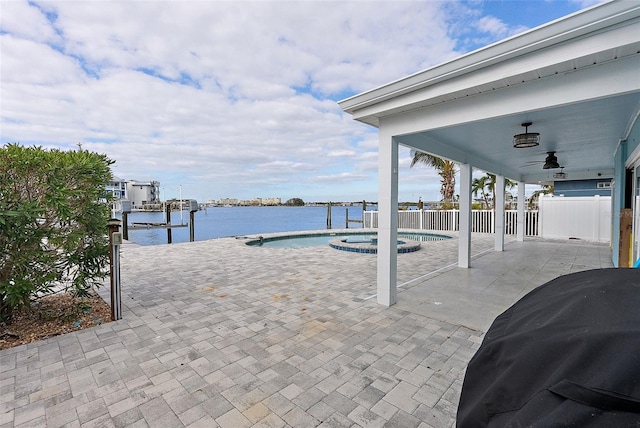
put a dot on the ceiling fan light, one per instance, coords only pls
(529, 139)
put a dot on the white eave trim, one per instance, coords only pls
(570, 27)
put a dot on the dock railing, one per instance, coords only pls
(482, 221)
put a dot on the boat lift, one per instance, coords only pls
(126, 209)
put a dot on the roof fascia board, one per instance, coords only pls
(562, 89)
(520, 70)
(578, 24)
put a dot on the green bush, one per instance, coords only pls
(52, 223)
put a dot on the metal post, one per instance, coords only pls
(329, 215)
(116, 307)
(347, 218)
(114, 266)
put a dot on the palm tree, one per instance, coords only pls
(486, 185)
(478, 185)
(446, 170)
(491, 186)
(545, 190)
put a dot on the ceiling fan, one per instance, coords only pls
(550, 162)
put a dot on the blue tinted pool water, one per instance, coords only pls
(302, 241)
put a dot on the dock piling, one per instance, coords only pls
(193, 207)
(168, 211)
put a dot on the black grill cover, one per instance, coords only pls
(565, 355)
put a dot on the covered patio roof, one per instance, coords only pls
(576, 79)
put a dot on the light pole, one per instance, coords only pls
(181, 222)
(164, 208)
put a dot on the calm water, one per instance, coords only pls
(221, 222)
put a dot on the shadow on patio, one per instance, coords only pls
(474, 297)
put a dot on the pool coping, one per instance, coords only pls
(252, 240)
(275, 236)
(404, 246)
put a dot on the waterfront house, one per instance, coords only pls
(117, 188)
(144, 194)
(574, 81)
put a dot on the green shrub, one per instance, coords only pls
(52, 223)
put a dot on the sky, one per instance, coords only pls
(234, 99)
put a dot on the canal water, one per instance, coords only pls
(218, 222)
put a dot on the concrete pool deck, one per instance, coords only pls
(217, 333)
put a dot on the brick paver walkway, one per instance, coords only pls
(216, 333)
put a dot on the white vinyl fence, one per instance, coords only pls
(448, 220)
(587, 218)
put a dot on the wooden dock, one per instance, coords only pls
(155, 225)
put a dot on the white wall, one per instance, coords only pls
(585, 217)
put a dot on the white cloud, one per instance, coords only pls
(493, 26)
(498, 29)
(586, 3)
(27, 22)
(343, 177)
(234, 99)
(341, 153)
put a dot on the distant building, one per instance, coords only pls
(117, 188)
(251, 202)
(271, 201)
(582, 187)
(227, 201)
(143, 193)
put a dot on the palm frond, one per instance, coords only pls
(427, 159)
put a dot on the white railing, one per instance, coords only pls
(448, 220)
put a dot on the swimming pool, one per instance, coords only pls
(315, 239)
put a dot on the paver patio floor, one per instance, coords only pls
(217, 333)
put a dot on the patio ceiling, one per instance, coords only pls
(576, 79)
(584, 136)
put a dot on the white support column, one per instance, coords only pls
(387, 220)
(521, 206)
(464, 235)
(499, 211)
(596, 223)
